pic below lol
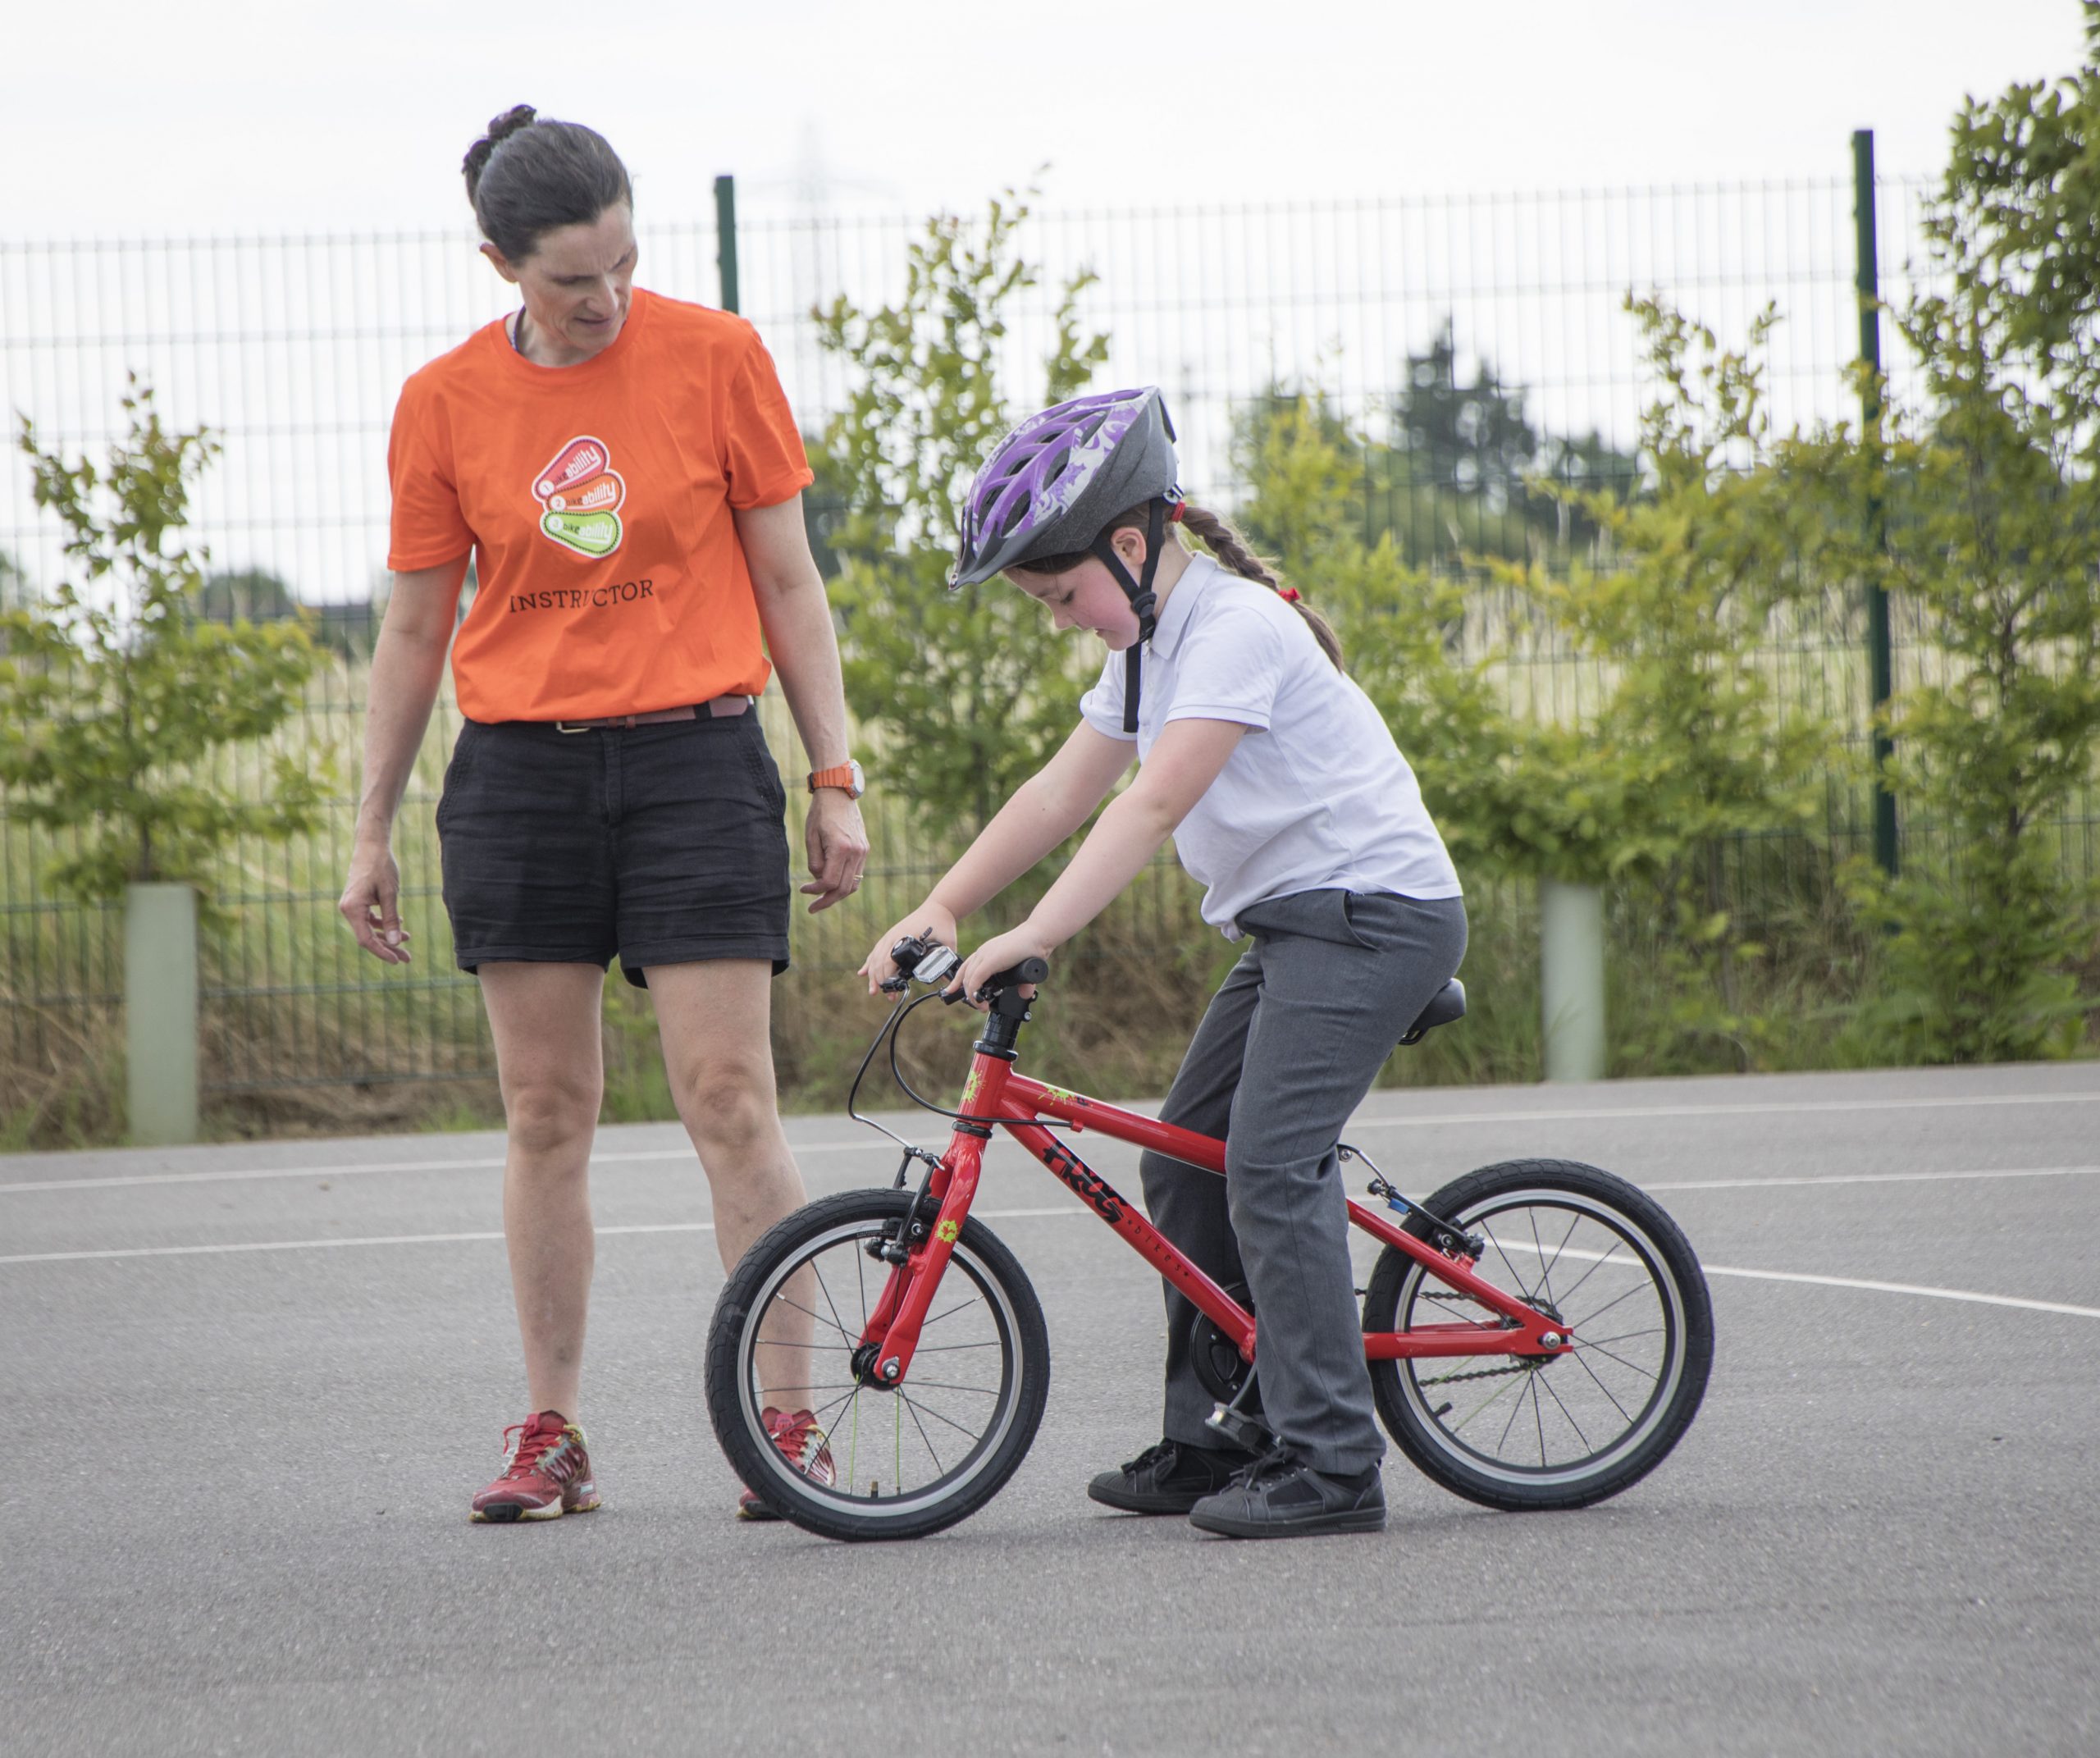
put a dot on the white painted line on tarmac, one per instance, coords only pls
(426, 1238)
(1580, 1256)
(241, 1175)
(1423, 1121)
(1063, 1212)
(1873, 1178)
(1909, 1288)
(1784, 1107)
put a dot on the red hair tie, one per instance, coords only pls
(1288, 594)
(1175, 512)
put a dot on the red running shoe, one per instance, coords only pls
(547, 1474)
(799, 1437)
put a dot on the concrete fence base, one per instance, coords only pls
(159, 1012)
(1572, 980)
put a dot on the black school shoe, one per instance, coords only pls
(1279, 1496)
(1170, 1476)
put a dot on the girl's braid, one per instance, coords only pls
(1230, 548)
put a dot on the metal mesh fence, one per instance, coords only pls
(293, 349)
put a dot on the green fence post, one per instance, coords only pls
(1868, 282)
(725, 235)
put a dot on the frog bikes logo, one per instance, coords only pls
(948, 1232)
(580, 494)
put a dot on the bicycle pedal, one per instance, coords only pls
(1237, 1430)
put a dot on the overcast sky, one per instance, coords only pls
(130, 119)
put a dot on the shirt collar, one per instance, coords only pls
(1181, 604)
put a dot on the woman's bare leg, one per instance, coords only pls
(715, 1020)
(550, 1059)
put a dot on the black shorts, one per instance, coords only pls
(665, 844)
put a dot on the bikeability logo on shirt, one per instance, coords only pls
(580, 495)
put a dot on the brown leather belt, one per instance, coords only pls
(719, 709)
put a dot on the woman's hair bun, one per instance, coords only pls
(501, 128)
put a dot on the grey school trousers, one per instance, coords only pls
(1288, 1048)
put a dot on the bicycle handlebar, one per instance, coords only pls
(923, 961)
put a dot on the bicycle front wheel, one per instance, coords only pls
(1600, 1258)
(906, 1460)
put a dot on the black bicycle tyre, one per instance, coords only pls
(978, 1253)
(1683, 1304)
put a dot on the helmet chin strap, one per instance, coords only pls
(1140, 593)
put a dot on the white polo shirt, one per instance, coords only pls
(1316, 795)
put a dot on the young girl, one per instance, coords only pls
(1287, 797)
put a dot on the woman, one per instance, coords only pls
(624, 469)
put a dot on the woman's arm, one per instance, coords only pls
(1043, 811)
(1184, 762)
(796, 616)
(407, 663)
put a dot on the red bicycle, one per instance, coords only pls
(1538, 1332)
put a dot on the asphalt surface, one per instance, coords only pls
(249, 1391)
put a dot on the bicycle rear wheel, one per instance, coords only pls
(909, 1459)
(1549, 1431)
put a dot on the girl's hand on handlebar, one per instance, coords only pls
(929, 921)
(1001, 953)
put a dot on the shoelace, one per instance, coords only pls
(530, 1449)
(1154, 1454)
(792, 1436)
(1278, 1462)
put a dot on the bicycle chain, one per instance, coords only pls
(1482, 1373)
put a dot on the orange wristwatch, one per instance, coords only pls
(847, 778)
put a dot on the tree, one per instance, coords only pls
(1684, 747)
(253, 594)
(1991, 493)
(1461, 471)
(968, 690)
(113, 688)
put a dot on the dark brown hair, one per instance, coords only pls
(1222, 542)
(526, 177)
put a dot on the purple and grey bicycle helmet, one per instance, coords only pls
(1052, 484)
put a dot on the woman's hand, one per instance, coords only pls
(837, 842)
(1001, 953)
(929, 921)
(371, 903)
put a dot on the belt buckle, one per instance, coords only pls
(575, 726)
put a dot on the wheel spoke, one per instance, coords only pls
(1507, 1386)
(1516, 1410)
(1631, 1366)
(1504, 1256)
(824, 1289)
(817, 1317)
(1540, 1379)
(1583, 1338)
(1603, 1388)
(967, 1300)
(911, 1409)
(1597, 1264)
(1545, 1272)
(1591, 1318)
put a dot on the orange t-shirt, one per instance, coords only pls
(598, 500)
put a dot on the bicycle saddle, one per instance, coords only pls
(1447, 1004)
